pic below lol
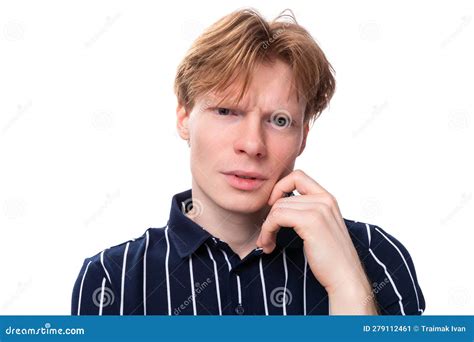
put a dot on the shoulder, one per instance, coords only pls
(98, 284)
(370, 238)
(109, 262)
(389, 267)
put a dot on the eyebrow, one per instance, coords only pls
(241, 109)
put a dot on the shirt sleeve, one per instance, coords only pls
(93, 293)
(391, 271)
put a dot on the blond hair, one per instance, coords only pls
(231, 48)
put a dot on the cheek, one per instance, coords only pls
(283, 156)
(285, 149)
(207, 145)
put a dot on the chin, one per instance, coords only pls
(242, 203)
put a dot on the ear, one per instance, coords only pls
(305, 135)
(182, 122)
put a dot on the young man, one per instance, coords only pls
(240, 241)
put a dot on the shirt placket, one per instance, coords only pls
(236, 265)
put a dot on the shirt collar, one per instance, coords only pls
(188, 236)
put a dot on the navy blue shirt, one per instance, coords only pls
(181, 269)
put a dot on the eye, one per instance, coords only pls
(223, 111)
(281, 119)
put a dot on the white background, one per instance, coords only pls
(90, 156)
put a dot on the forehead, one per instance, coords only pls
(271, 87)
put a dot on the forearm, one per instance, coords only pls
(353, 299)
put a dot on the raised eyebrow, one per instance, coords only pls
(239, 109)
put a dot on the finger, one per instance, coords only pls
(325, 199)
(295, 180)
(276, 219)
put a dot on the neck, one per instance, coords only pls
(238, 229)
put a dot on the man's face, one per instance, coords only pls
(254, 135)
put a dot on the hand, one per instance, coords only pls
(316, 218)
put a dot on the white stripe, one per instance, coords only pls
(80, 289)
(192, 284)
(226, 259)
(102, 297)
(216, 277)
(304, 283)
(124, 268)
(368, 233)
(406, 265)
(239, 291)
(103, 265)
(391, 281)
(144, 273)
(286, 281)
(168, 291)
(262, 278)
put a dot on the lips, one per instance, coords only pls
(244, 180)
(246, 174)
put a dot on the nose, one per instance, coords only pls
(250, 138)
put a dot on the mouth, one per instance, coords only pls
(242, 182)
(246, 174)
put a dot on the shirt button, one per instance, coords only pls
(239, 309)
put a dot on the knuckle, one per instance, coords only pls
(277, 211)
(331, 200)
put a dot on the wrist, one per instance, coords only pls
(352, 298)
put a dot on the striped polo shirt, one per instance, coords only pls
(181, 269)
